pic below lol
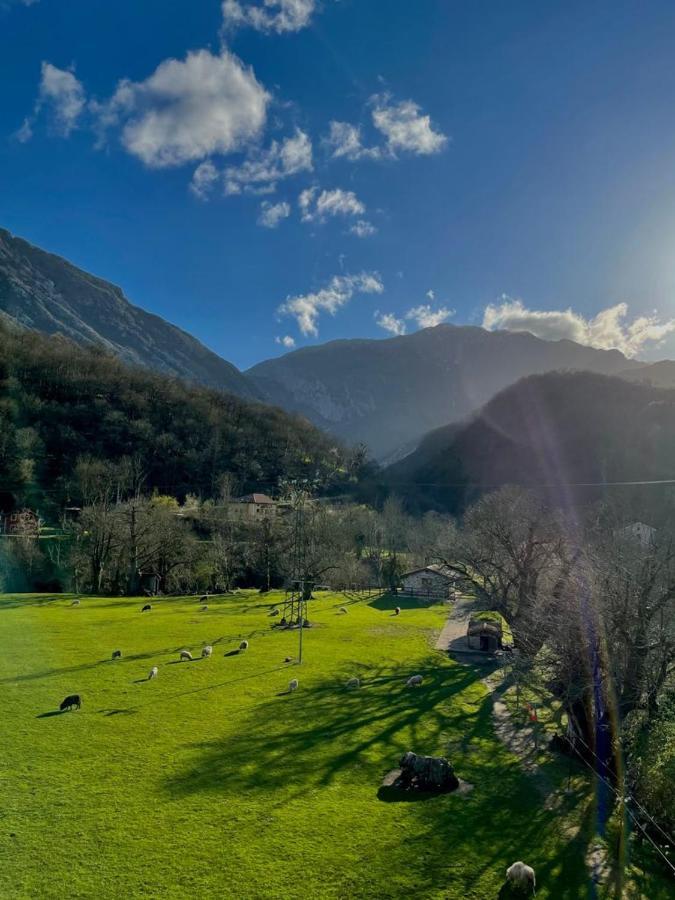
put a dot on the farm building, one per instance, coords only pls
(255, 506)
(429, 583)
(638, 532)
(484, 634)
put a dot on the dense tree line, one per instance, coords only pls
(60, 403)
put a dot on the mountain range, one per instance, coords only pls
(386, 393)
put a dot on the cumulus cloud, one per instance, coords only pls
(62, 95)
(285, 341)
(390, 323)
(272, 213)
(188, 110)
(264, 168)
(426, 317)
(607, 330)
(317, 206)
(306, 308)
(363, 229)
(269, 15)
(403, 125)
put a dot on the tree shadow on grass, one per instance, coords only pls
(331, 737)
(403, 601)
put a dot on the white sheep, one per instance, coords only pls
(185, 654)
(243, 645)
(414, 681)
(154, 672)
(354, 683)
(293, 685)
(522, 876)
(75, 603)
(397, 611)
(343, 609)
(207, 651)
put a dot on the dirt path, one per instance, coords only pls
(452, 638)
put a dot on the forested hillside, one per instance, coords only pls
(565, 433)
(60, 403)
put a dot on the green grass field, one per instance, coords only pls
(210, 780)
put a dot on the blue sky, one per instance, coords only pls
(511, 164)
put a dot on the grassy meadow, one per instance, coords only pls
(212, 780)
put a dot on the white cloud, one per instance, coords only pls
(607, 330)
(426, 317)
(188, 109)
(307, 308)
(390, 323)
(64, 98)
(203, 179)
(363, 229)
(402, 124)
(344, 140)
(430, 295)
(285, 341)
(263, 169)
(272, 213)
(270, 15)
(317, 207)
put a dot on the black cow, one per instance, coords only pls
(71, 701)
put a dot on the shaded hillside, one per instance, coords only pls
(60, 402)
(389, 393)
(659, 374)
(568, 433)
(49, 294)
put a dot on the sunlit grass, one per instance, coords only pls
(212, 780)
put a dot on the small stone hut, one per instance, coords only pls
(485, 635)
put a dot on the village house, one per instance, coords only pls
(22, 522)
(429, 583)
(252, 507)
(638, 532)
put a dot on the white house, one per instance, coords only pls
(428, 583)
(638, 532)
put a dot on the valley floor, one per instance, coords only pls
(212, 780)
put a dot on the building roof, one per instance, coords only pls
(260, 499)
(443, 571)
(484, 626)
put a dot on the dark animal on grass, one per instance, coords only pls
(185, 655)
(397, 611)
(75, 603)
(147, 607)
(275, 612)
(243, 645)
(430, 773)
(73, 700)
(117, 654)
(522, 877)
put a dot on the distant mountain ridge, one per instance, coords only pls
(389, 393)
(567, 434)
(48, 294)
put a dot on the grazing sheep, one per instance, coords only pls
(147, 607)
(397, 611)
(75, 603)
(275, 612)
(185, 654)
(243, 645)
(354, 683)
(289, 659)
(522, 876)
(117, 654)
(203, 608)
(71, 701)
(293, 685)
(154, 672)
(207, 651)
(343, 609)
(203, 598)
(414, 681)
